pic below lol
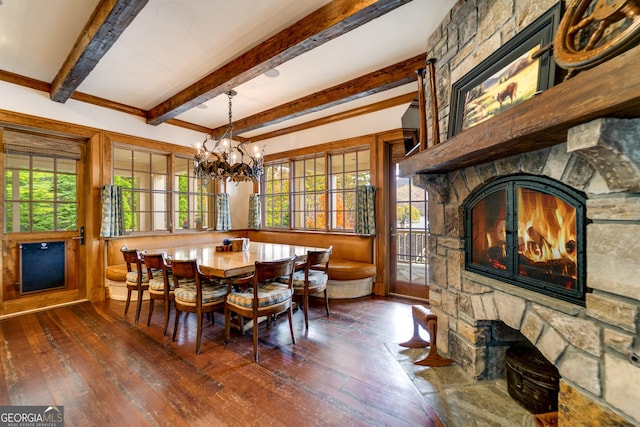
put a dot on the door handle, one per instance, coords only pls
(81, 236)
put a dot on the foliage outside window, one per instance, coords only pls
(40, 193)
(276, 195)
(322, 195)
(348, 171)
(193, 202)
(143, 178)
(309, 194)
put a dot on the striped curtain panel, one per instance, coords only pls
(365, 213)
(223, 222)
(112, 211)
(254, 211)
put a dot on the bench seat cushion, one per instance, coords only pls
(117, 272)
(344, 269)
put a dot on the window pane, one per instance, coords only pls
(43, 217)
(66, 217)
(43, 163)
(364, 160)
(25, 216)
(144, 221)
(66, 165)
(143, 201)
(66, 188)
(16, 161)
(159, 182)
(159, 162)
(160, 220)
(194, 198)
(142, 162)
(42, 186)
(122, 159)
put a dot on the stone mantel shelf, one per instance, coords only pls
(611, 89)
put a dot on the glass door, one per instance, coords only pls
(409, 237)
(43, 219)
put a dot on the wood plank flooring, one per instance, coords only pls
(105, 370)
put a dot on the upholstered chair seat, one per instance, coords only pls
(136, 279)
(312, 279)
(194, 292)
(261, 295)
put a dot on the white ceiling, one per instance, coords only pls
(174, 43)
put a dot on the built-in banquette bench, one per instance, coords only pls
(351, 267)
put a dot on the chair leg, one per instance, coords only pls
(227, 325)
(305, 308)
(126, 306)
(255, 337)
(150, 312)
(167, 310)
(290, 315)
(139, 307)
(326, 301)
(175, 324)
(199, 336)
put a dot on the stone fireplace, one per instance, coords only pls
(528, 230)
(592, 339)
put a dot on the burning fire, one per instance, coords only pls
(546, 227)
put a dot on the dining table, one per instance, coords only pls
(226, 264)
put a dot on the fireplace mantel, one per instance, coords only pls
(611, 89)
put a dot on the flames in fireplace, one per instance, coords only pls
(546, 238)
(527, 233)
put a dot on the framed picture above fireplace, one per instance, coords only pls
(521, 68)
(528, 231)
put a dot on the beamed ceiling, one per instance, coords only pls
(172, 61)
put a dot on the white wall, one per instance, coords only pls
(29, 101)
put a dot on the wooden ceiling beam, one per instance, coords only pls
(378, 81)
(107, 23)
(326, 23)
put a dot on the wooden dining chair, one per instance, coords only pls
(313, 280)
(160, 285)
(137, 278)
(194, 292)
(261, 294)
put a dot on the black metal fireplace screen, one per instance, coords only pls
(528, 231)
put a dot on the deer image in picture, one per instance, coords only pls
(509, 92)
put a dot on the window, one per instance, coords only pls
(314, 202)
(143, 178)
(276, 195)
(40, 182)
(192, 201)
(309, 193)
(348, 171)
(40, 193)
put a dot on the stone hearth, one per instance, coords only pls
(593, 347)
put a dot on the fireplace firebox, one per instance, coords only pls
(528, 231)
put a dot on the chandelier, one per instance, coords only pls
(229, 158)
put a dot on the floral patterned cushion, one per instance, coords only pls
(268, 294)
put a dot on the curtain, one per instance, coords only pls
(254, 211)
(112, 211)
(223, 222)
(365, 213)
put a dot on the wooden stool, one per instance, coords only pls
(422, 316)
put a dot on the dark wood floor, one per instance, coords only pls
(105, 370)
